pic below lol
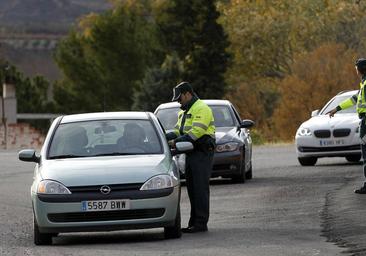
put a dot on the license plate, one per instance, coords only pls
(105, 205)
(330, 143)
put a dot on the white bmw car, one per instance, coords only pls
(322, 136)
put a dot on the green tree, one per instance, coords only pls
(104, 57)
(191, 29)
(157, 84)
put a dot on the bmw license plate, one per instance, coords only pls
(331, 143)
(105, 205)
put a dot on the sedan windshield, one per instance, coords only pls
(104, 138)
(222, 115)
(334, 103)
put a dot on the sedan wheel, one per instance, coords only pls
(353, 158)
(241, 177)
(41, 238)
(249, 173)
(307, 161)
(174, 231)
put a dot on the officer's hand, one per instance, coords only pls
(332, 112)
(171, 143)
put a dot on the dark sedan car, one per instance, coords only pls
(233, 155)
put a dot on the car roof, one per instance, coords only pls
(347, 93)
(208, 102)
(105, 116)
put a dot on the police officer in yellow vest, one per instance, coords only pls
(195, 124)
(360, 101)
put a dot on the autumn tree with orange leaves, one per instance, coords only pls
(315, 78)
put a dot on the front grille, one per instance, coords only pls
(327, 149)
(106, 215)
(114, 188)
(322, 133)
(341, 132)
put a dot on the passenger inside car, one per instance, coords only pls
(133, 139)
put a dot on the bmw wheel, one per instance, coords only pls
(353, 158)
(307, 161)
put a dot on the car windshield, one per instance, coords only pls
(334, 103)
(222, 115)
(103, 138)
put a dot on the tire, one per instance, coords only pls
(174, 231)
(241, 177)
(41, 238)
(353, 158)
(307, 161)
(249, 173)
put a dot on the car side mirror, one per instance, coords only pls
(246, 123)
(315, 113)
(28, 155)
(182, 147)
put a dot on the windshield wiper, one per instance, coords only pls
(65, 156)
(113, 154)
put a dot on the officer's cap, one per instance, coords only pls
(181, 88)
(361, 64)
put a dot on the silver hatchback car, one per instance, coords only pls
(105, 171)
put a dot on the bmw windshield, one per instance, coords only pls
(334, 103)
(103, 138)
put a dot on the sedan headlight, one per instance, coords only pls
(159, 182)
(304, 132)
(52, 187)
(227, 147)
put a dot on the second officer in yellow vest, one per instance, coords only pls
(195, 124)
(360, 101)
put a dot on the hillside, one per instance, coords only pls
(45, 15)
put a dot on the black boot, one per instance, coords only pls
(361, 190)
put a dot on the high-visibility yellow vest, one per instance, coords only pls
(198, 121)
(358, 99)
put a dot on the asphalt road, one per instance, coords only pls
(285, 209)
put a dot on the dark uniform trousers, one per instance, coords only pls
(198, 173)
(363, 141)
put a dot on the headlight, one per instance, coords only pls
(304, 132)
(159, 182)
(52, 187)
(227, 147)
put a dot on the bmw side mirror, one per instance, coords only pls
(315, 113)
(28, 155)
(246, 123)
(182, 147)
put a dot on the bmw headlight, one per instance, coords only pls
(227, 147)
(160, 182)
(304, 132)
(52, 187)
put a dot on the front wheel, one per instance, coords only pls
(307, 161)
(41, 238)
(353, 158)
(174, 231)
(249, 173)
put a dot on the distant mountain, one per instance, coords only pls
(46, 15)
